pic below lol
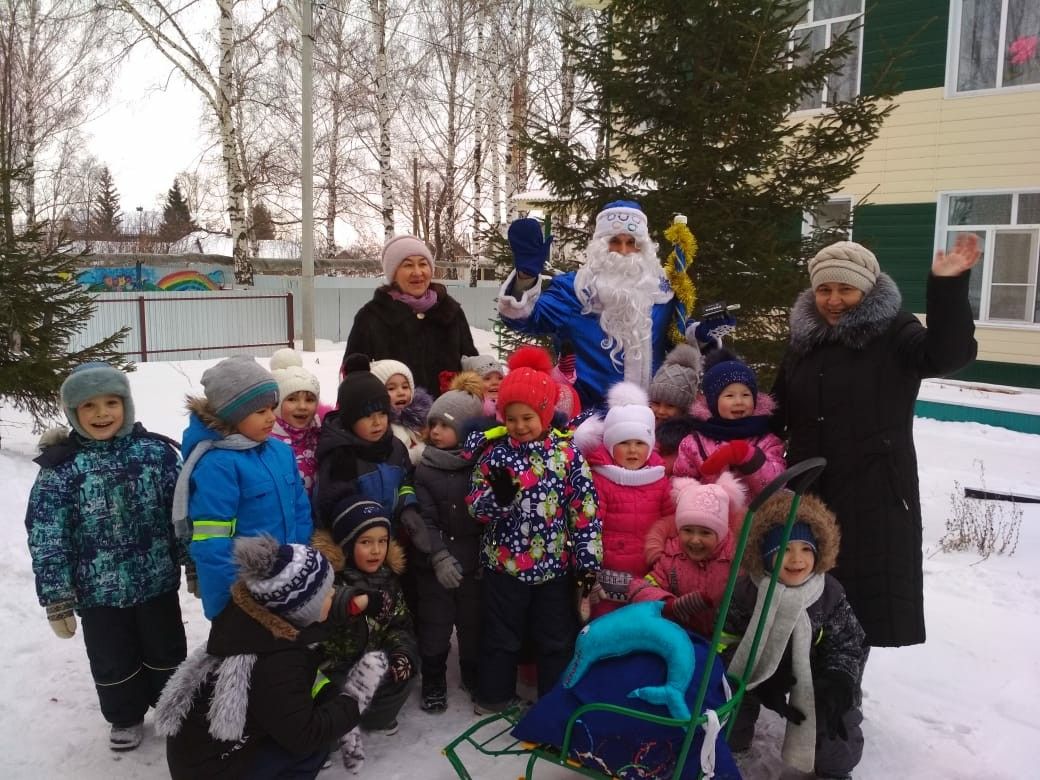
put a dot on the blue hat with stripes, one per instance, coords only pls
(290, 580)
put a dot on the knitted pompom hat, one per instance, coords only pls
(629, 417)
(290, 580)
(384, 369)
(844, 262)
(722, 370)
(677, 380)
(284, 358)
(622, 216)
(294, 379)
(528, 382)
(360, 393)
(238, 386)
(397, 249)
(92, 379)
(457, 406)
(482, 365)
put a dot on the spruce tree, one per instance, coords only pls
(42, 309)
(696, 97)
(105, 215)
(176, 222)
(262, 223)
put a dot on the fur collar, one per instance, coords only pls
(413, 416)
(201, 408)
(279, 627)
(855, 329)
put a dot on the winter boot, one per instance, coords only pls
(434, 694)
(126, 737)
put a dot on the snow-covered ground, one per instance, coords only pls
(964, 705)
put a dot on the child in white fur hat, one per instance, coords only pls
(409, 405)
(632, 485)
(298, 417)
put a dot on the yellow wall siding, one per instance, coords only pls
(1008, 344)
(931, 143)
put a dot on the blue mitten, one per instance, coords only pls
(710, 331)
(530, 247)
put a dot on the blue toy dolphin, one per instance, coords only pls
(639, 628)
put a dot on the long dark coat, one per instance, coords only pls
(428, 342)
(847, 393)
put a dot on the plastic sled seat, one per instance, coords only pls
(493, 736)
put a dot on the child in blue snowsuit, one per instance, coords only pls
(102, 544)
(237, 480)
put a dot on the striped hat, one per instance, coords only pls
(290, 580)
(237, 386)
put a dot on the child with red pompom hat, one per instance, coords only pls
(534, 492)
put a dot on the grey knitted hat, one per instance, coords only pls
(677, 380)
(481, 364)
(290, 580)
(455, 407)
(237, 386)
(93, 379)
(845, 262)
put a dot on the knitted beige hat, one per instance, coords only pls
(397, 249)
(845, 262)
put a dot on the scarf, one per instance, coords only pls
(727, 430)
(630, 477)
(787, 620)
(445, 460)
(235, 441)
(419, 305)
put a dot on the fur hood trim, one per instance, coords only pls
(323, 543)
(857, 328)
(280, 628)
(811, 511)
(200, 406)
(764, 406)
(413, 416)
(589, 435)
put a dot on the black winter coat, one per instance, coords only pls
(442, 481)
(847, 394)
(280, 704)
(428, 342)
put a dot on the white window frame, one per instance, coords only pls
(953, 56)
(990, 230)
(802, 26)
(809, 219)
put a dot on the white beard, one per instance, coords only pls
(623, 289)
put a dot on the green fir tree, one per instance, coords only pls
(176, 222)
(105, 214)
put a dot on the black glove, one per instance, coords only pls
(377, 600)
(586, 581)
(834, 694)
(502, 486)
(773, 695)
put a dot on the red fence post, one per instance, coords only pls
(142, 324)
(290, 320)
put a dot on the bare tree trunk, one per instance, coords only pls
(479, 124)
(567, 76)
(378, 14)
(496, 156)
(230, 151)
(332, 180)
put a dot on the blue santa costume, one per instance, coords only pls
(568, 308)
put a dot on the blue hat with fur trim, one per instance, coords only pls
(93, 379)
(800, 532)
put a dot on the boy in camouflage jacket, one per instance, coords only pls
(102, 544)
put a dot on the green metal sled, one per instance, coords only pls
(491, 736)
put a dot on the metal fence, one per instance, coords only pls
(193, 325)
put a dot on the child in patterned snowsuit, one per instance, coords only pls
(102, 543)
(534, 492)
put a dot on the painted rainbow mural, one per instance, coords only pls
(180, 281)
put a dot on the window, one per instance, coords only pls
(834, 217)
(994, 44)
(1003, 284)
(821, 23)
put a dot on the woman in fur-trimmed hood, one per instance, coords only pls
(846, 390)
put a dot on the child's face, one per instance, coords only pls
(523, 422)
(663, 411)
(400, 391)
(298, 409)
(735, 402)
(101, 416)
(798, 563)
(631, 454)
(258, 425)
(698, 542)
(491, 383)
(372, 427)
(370, 550)
(443, 436)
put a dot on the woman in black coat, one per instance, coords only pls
(411, 319)
(846, 391)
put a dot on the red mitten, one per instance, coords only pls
(729, 454)
(444, 380)
(741, 451)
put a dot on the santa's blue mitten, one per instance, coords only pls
(530, 246)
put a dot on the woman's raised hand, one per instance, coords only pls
(964, 255)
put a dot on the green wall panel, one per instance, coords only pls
(902, 236)
(1013, 374)
(915, 28)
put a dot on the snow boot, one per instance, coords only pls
(126, 737)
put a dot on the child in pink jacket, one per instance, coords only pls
(299, 413)
(691, 572)
(732, 431)
(632, 486)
